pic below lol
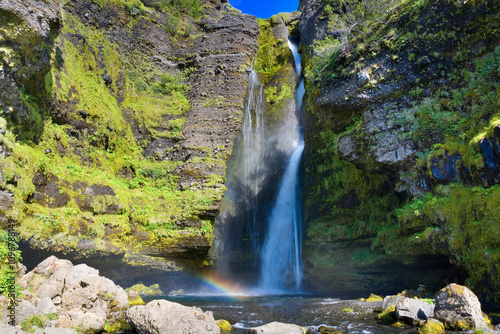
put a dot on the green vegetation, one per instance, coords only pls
(458, 214)
(36, 321)
(224, 325)
(273, 55)
(5, 256)
(103, 95)
(449, 105)
(153, 290)
(456, 120)
(273, 62)
(344, 196)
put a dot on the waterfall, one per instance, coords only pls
(281, 254)
(262, 170)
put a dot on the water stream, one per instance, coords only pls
(258, 233)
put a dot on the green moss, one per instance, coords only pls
(343, 195)
(374, 298)
(463, 215)
(153, 290)
(387, 316)
(273, 55)
(5, 265)
(276, 97)
(224, 325)
(36, 321)
(105, 152)
(136, 301)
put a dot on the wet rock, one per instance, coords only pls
(414, 311)
(444, 168)
(86, 244)
(459, 308)
(277, 328)
(161, 316)
(489, 155)
(329, 330)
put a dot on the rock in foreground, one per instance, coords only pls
(413, 310)
(161, 316)
(277, 328)
(459, 309)
(77, 295)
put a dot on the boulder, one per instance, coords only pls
(161, 316)
(92, 299)
(391, 301)
(413, 310)
(458, 308)
(277, 328)
(76, 294)
(432, 326)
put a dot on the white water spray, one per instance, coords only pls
(282, 251)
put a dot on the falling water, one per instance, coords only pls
(252, 141)
(281, 254)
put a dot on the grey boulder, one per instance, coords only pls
(161, 316)
(459, 309)
(414, 310)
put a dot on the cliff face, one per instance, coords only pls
(402, 148)
(118, 118)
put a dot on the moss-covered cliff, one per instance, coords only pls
(118, 118)
(402, 156)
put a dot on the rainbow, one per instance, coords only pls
(223, 285)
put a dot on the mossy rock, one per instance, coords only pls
(224, 325)
(374, 298)
(152, 290)
(134, 298)
(432, 326)
(387, 316)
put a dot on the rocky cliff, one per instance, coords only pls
(118, 118)
(402, 143)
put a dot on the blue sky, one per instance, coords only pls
(265, 8)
